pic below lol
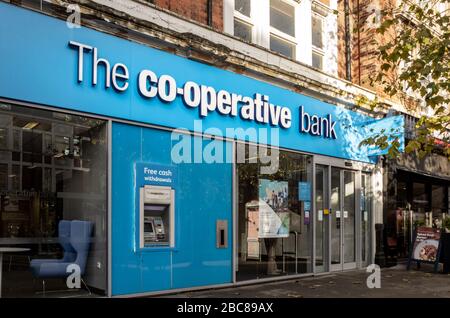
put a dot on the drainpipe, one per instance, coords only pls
(209, 12)
(348, 53)
(359, 43)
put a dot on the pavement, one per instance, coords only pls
(395, 282)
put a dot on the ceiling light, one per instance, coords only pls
(31, 125)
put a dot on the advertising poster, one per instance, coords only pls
(274, 216)
(426, 245)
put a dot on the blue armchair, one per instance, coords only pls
(74, 237)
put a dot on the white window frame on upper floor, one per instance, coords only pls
(245, 20)
(302, 42)
(291, 40)
(315, 49)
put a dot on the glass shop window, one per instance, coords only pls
(420, 198)
(53, 201)
(275, 218)
(438, 200)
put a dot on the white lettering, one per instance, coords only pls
(123, 76)
(203, 97)
(81, 48)
(224, 102)
(145, 77)
(167, 88)
(191, 94)
(208, 100)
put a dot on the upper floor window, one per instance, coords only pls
(243, 25)
(317, 27)
(293, 28)
(282, 28)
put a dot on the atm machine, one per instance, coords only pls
(157, 212)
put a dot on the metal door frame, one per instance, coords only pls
(357, 168)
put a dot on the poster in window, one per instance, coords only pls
(274, 215)
(304, 191)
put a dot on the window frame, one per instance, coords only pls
(248, 20)
(292, 40)
(262, 31)
(315, 49)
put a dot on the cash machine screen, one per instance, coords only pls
(148, 227)
(155, 219)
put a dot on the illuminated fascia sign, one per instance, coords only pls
(205, 98)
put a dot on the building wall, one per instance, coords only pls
(196, 10)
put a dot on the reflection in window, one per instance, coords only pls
(282, 17)
(243, 7)
(275, 234)
(3, 138)
(321, 198)
(317, 60)
(438, 199)
(281, 46)
(42, 184)
(366, 213)
(243, 30)
(420, 197)
(317, 29)
(350, 219)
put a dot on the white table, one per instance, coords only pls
(8, 250)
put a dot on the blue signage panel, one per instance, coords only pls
(203, 195)
(304, 191)
(155, 174)
(44, 61)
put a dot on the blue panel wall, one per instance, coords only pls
(203, 195)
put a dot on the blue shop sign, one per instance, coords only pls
(43, 61)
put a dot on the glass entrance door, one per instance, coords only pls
(343, 219)
(349, 218)
(321, 217)
(335, 218)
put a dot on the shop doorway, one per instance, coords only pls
(343, 219)
(341, 224)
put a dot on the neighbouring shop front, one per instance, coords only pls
(418, 196)
(152, 172)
